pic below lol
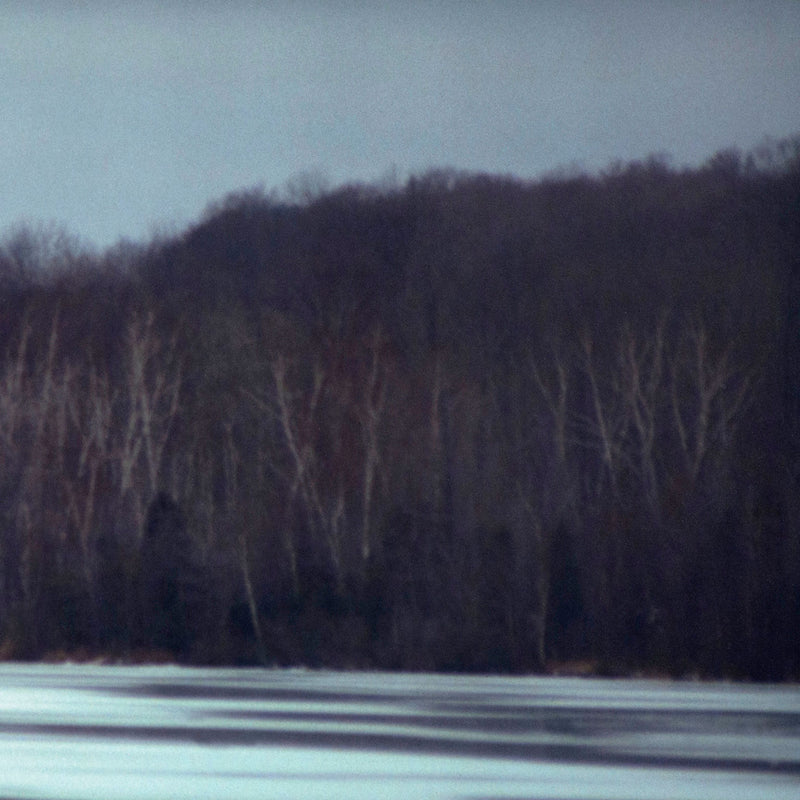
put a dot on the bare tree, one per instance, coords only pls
(555, 395)
(708, 392)
(153, 390)
(40, 397)
(641, 368)
(605, 426)
(371, 410)
(232, 467)
(90, 407)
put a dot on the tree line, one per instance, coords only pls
(468, 422)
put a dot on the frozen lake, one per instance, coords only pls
(145, 732)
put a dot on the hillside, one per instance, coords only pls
(464, 423)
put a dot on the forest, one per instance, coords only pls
(465, 422)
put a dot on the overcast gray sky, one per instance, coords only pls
(121, 118)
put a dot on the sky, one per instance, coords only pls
(124, 120)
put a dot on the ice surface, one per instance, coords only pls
(118, 732)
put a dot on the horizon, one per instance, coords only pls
(122, 123)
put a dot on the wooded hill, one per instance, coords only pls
(470, 422)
